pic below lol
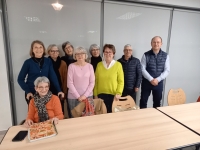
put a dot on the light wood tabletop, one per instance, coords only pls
(187, 114)
(143, 129)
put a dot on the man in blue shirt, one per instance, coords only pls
(155, 68)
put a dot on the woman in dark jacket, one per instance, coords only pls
(60, 69)
(68, 50)
(35, 67)
(96, 58)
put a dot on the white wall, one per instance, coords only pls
(5, 111)
(57, 33)
(184, 3)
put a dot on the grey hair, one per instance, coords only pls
(50, 47)
(127, 45)
(66, 43)
(156, 37)
(80, 49)
(41, 79)
(92, 47)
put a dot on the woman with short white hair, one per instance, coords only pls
(80, 78)
(96, 58)
(44, 105)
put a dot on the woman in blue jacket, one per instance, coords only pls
(34, 67)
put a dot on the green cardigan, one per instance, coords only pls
(109, 81)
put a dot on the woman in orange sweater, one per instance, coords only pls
(44, 105)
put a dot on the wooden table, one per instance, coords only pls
(187, 114)
(143, 129)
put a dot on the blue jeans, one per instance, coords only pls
(146, 89)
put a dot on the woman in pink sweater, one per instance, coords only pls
(80, 78)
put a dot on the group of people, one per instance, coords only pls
(76, 77)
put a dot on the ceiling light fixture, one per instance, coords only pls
(57, 6)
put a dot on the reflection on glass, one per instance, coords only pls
(129, 15)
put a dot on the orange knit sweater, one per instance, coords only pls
(53, 108)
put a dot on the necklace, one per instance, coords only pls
(80, 66)
(39, 62)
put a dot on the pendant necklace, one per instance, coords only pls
(38, 61)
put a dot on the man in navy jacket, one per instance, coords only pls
(155, 68)
(132, 72)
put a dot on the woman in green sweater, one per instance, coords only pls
(109, 78)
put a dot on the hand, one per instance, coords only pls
(81, 98)
(154, 82)
(62, 94)
(55, 120)
(29, 95)
(117, 96)
(28, 123)
(136, 89)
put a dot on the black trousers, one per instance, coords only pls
(146, 89)
(132, 93)
(108, 100)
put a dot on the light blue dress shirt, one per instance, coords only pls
(163, 75)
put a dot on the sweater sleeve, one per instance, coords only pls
(120, 80)
(91, 82)
(96, 80)
(22, 76)
(53, 77)
(70, 81)
(57, 108)
(64, 77)
(31, 110)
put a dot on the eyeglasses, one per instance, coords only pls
(54, 51)
(78, 54)
(108, 52)
(68, 47)
(128, 50)
(94, 50)
(41, 87)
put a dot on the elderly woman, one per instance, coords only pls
(80, 79)
(60, 69)
(68, 50)
(44, 105)
(34, 67)
(96, 58)
(109, 77)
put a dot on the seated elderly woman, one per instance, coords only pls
(44, 105)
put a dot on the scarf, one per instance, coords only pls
(56, 66)
(69, 59)
(95, 61)
(89, 107)
(40, 103)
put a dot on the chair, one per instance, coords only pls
(198, 100)
(176, 97)
(123, 104)
(99, 105)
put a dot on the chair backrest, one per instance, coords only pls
(124, 103)
(100, 107)
(198, 100)
(176, 97)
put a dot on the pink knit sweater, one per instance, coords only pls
(80, 81)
